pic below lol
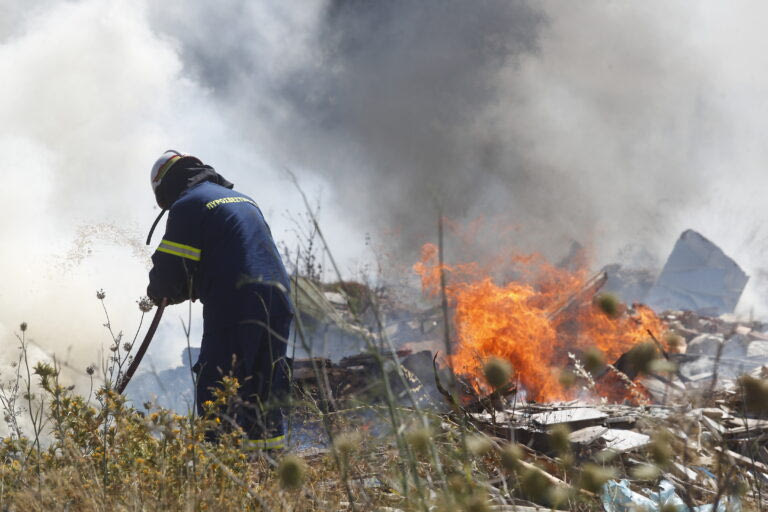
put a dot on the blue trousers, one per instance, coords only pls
(255, 355)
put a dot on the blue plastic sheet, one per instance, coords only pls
(618, 497)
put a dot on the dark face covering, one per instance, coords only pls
(185, 174)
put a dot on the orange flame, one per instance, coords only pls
(524, 321)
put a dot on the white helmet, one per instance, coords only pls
(162, 165)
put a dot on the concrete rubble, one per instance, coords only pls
(716, 347)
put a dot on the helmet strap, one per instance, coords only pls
(154, 225)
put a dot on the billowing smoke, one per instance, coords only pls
(602, 122)
(605, 123)
(92, 93)
(84, 100)
(90, 96)
(392, 97)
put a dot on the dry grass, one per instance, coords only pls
(110, 456)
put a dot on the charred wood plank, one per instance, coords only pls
(587, 291)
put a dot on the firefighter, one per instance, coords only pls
(218, 248)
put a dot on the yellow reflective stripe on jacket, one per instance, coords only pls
(177, 249)
(227, 200)
(273, 443)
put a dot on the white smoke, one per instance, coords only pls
(84, 94)
(90, 95)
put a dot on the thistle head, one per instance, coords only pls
(608, 304)
(497, 372)
(291, 472)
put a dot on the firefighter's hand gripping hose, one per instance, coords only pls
(126, 378)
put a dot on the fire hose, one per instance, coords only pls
(126, 378)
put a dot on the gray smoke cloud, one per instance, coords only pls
(603, 122)
(566, 119)
(391, 97)
(611, 124)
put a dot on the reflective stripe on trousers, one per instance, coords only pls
(273, 443)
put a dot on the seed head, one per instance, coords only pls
(419, 439)
(497, 372)
(662, 365)
(642, 355)
(145, 304)
(478, 445)
(661, 447)
(100, 294)
(605, 456)
(23, 326)
(90, 369)
(510, 456)
(477, 503)
(559, 439)
(534, 484)
(675, 342)
(457, 483)
(347, 443)
(608, 304)
(645, 472)
(291, 472)
(593, 360)
(558, 496)
(755, 392)
(593, 476)
(43, 369)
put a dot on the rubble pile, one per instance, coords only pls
(713, 351)
(702, 454)
(695, 407)
(357, 379)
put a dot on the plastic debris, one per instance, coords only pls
(618, 497)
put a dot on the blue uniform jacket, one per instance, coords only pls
(217, 247)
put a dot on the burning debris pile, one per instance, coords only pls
(672, 436)
(539, 321)
(666, 409)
